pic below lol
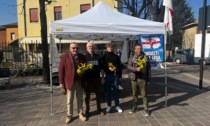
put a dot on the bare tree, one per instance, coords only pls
(145, 9)
(136, 8)
(157, 10)
(43, 23)
(45, 50)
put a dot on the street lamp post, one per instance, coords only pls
(203, 45)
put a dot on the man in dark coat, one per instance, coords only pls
(93, 78)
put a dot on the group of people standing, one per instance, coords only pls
(101, 73)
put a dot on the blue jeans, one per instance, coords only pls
(112, 81)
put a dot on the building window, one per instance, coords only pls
(12, 36)
(34, 15)
(84, 7)
(58, 13)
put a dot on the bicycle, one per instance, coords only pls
(29, 68)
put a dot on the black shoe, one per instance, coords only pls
(100, 112)
(87, 114)
(146, 112)
(133, 110)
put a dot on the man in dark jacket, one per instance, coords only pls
(140, 77)
(93, 78)
(70, 80)
(112, 76)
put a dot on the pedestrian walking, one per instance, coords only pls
(140, 75)
(70, 81)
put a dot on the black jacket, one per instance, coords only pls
(96, 60)
(110, 57)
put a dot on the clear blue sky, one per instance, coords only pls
(196, 4)
(8, 10)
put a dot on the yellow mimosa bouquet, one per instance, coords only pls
(112, 67)
(84, 67)
(141, 62)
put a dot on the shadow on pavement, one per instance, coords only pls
(156, 91)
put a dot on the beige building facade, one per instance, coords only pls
(28, 13)
(29, 21)
(189, 31)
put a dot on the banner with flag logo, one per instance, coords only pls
(153, 46)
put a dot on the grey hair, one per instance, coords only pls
(90, 43)
(73, 43)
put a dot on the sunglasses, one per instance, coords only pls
(74, 47)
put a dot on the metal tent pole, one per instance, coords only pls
(166, 81)
(51, 86)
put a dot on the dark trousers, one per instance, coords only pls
(142, 86)
(112, 81)
(93, 85)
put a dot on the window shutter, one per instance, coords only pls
(34, 15)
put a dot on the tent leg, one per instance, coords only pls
(51, 87)
(166, 86)
(166, 83)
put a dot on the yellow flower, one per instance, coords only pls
(83, 67)
(90, 66)
(112, 66)
(141, 62)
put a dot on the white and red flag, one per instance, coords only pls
(150, 42)
(168, 15)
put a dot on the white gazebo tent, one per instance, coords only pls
(102, 23)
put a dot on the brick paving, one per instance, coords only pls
(28, 104)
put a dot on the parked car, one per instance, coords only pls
(184, 56)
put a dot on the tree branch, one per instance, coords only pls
(143, 7)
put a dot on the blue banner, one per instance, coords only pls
(153, 46)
